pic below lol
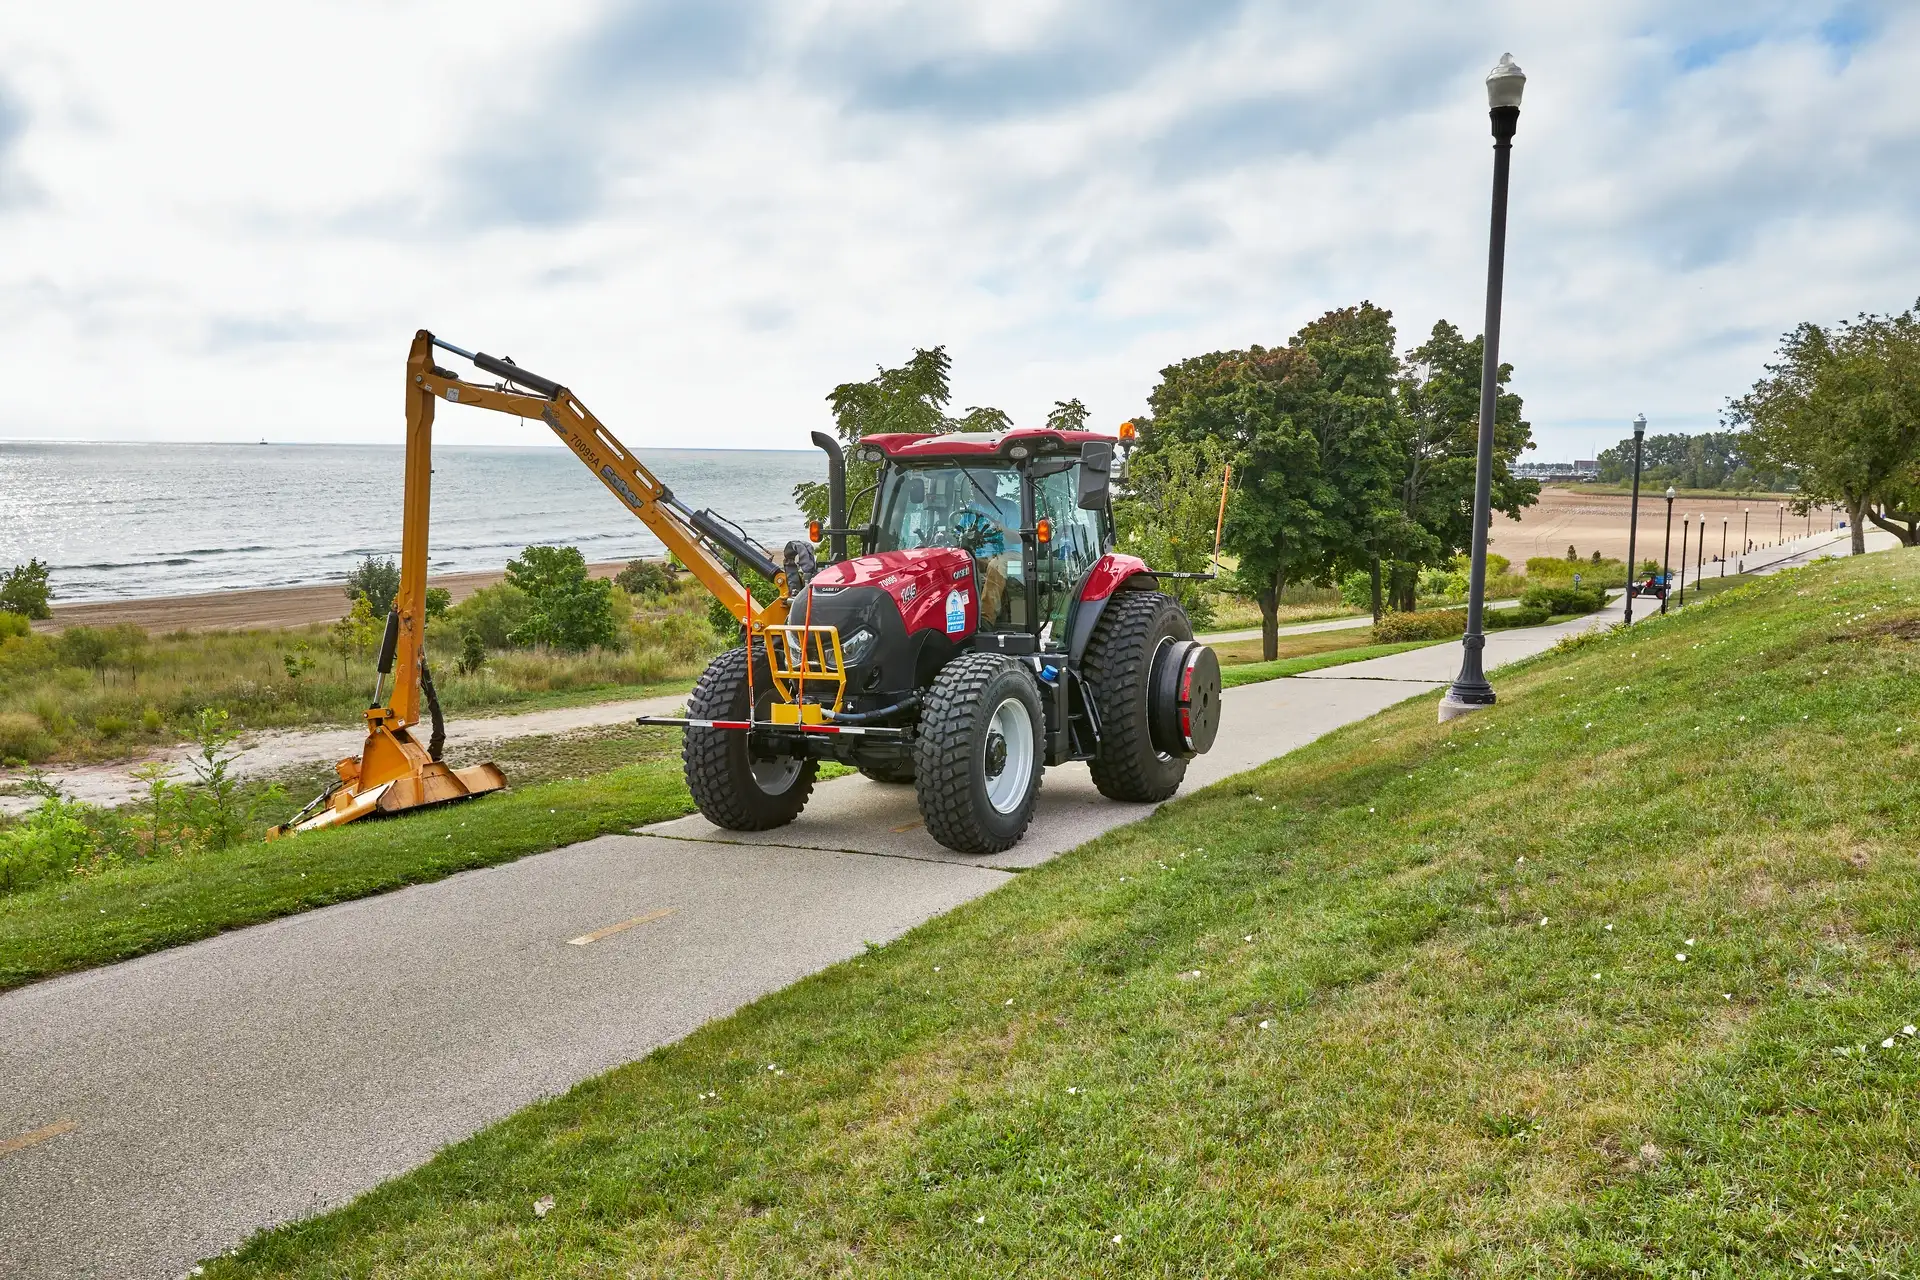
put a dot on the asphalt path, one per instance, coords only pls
(159, 1111)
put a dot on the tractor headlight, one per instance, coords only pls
(858, 647)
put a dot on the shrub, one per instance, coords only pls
(13, 625)
(1557, 597)
(566, 608)
(473, 654)
(493, 613)
(23, 737)
(23, 590)
(1356, 589)
(1605, 573)
(376, 580)
(1398, 628)
(1526, 615)
(439, 599)
(645, 578)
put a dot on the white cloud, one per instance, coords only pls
(226, 221)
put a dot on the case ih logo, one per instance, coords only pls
(964, 571)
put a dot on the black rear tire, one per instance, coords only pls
(1118, 666)
(893, 771)
(978, 753)
(735, 787)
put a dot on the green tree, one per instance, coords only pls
(1167, 511)
(1841, 407)
(568, 609)
(438, 601)
(911, 399)
(378, 579)
(1068, 415)
(23, 590)
(1897, 508)
(1436, 441)
(355, 635)
(1307, 426)
(645, 578)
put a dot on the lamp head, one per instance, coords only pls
(1671, 495)
(1505, 83)
(1640, 426)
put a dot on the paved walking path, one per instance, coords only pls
(160, 1110)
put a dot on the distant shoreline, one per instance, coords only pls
(248, 608)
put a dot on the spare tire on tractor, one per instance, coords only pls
(735, 785)
(978, 753)
(1157, 693)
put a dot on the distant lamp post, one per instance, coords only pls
(1684, 522)
(1633, 521)
(1666, 555)
(1470, 691)
(1724, 521)
(1780, 534)
(1746, 531)
(1700, 556)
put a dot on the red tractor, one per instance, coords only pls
(987, 629)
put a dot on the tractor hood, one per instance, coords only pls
(900, 614)
(931, 587)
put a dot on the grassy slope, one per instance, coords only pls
(1335, 1016)
(142, 907)
(1254, 672)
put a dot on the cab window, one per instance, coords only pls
(972, 506)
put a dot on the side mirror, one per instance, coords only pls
(1096, 474)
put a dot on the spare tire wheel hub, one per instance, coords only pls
(1183, 710)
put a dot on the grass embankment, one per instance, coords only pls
(1409, 1001)
(565, 790)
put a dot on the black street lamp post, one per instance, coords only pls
(1746, 530)
(1723, 545)
(1780, 533)
(1700, 557)
(1470, 691)
(1684, 522)
(1633, 521)
(1666, 556)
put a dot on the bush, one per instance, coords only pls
(23, 738)
(1556, 597)
(1526, 615)
(13, 625)
(378, 580)
(1605, 573)
(1399, 628)
(23, 590)
(473, 654)
(645, 578)
(493, 613)
(439, 600)
(567, 609)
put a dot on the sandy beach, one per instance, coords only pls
(1591, 522)
(1563, 517)
(239, 610)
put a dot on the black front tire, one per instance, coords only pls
(1118, 666)
(734, 786)
(978, 753)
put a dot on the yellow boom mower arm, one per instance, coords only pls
(393, 772)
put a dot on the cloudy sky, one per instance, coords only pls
(224, 221)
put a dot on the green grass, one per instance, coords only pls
(1336, 1016)
(140, 907)
(1254, 672)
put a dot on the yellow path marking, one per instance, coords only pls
(909, 827)
(33, 1137)
(586, 938)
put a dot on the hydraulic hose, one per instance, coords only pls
(438, 741)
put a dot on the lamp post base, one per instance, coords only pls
(1460, 702)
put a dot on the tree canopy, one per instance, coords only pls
(1841, 408)
(1705, 460)
(1342, 451)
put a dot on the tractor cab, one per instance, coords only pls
(1029, 508)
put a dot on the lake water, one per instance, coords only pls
(123, 521)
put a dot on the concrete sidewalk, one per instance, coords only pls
(273, 1072)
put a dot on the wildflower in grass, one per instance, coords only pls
(1681, 956)
(1887, 1043)
(1265, 1023)
(1907, 1030)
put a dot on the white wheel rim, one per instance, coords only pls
(774, 776)
(1013, 728)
